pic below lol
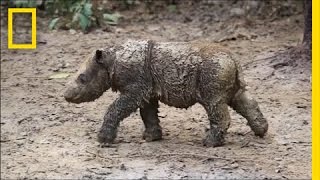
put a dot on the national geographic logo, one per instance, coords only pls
(11, 44)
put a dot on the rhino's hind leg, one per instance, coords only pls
(149, 115)
(219, 118)
(249, 109)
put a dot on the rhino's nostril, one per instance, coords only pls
(68, 95)
(67, 98)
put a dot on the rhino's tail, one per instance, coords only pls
(239, 77)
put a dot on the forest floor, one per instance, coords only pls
(44, 136)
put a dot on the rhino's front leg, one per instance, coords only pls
(121, 108)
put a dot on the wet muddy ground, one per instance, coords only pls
(43, 136)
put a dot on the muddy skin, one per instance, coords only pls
(149, 115)
(248, 108)
(92, 79)
(176, 73)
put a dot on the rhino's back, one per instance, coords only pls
(180, 69)
(131, 52)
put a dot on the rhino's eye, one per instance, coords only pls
(99, 61)
(99, 57)
(82, 78)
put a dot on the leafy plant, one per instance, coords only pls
(77, 12)
(67, 14)
(23, 3)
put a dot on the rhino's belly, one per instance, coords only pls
(177, 96)
(176, 88)
(178, 102)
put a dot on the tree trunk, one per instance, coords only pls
(307, 35)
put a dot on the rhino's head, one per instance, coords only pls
(92, 79)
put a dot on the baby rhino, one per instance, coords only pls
(178, 74)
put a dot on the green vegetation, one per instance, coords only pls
(83, 14)
(75, 14)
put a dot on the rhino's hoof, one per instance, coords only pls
(104, 145)
(260, 128)
(152, 135)
(213, 140)
(105, 137)
(261, 133)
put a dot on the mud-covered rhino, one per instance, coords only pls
(178, 74)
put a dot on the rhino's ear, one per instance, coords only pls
(99, 56)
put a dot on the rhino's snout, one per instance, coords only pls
(67, 96)
(71, 94)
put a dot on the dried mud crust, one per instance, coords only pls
(45, 137)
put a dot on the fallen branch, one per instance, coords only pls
(5, 140)
(197, 156)
(98, 173)
(257, 60)
(245, 144)
(98, 155)
(280, 64)
(27, 77)
(194, 155)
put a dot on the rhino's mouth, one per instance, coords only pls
(72, 95)
(74, 100)
(78, 96)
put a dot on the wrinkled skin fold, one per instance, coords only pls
(178, 74)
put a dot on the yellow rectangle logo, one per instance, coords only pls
(33, 44)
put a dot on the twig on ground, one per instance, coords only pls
(27, 77)
(5, 140)
(194, 155)
(98, 173)
(98, 155)
(280, 64)
(257, 60)
(245, 144)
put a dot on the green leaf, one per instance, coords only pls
(172, 8)
(74, 7)
(59, 76)
(32, 3)
(53, 23)
(20, 3)
(111, 23)
(129, 2)
(25, 3)
(87, 9)
(84, 21)
(75, 17)
(112, 18)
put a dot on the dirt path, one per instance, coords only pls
(45, 137)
